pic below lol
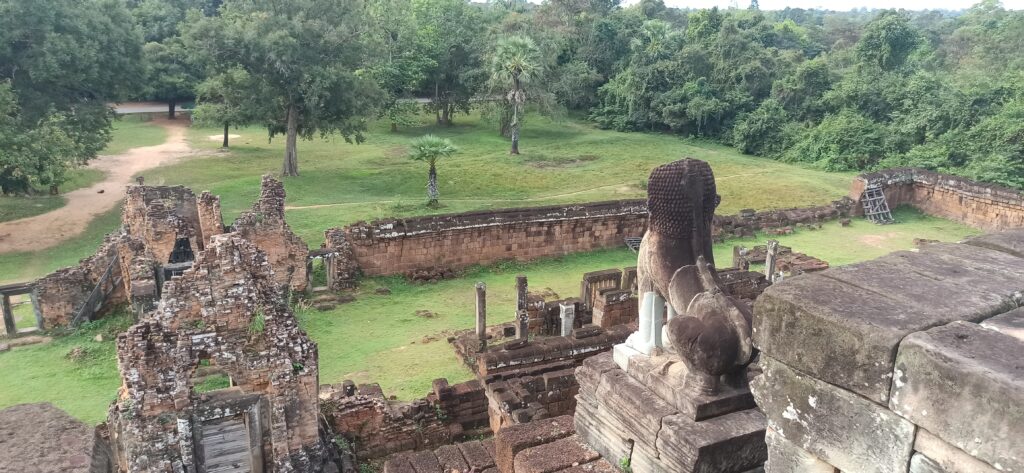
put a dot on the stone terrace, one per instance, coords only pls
(912, 360)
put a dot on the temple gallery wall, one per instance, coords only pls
(907, 363)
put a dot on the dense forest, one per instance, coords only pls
(843, 91)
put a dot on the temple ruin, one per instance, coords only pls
(226, 311)
(678, 364)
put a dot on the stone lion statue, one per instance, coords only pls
(706, 328)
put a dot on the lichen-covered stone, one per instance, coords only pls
(833, 424)
(964, 384)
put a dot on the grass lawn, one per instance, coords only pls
(134, 131)
(129, 132)
(83, 386)
(563, 161)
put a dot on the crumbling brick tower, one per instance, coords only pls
(226, 312)
(265, 226)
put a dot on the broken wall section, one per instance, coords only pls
(97, 281)
(265, 226)
(227, 309)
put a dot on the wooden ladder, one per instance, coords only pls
(876, 208)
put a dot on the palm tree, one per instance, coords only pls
(430, 148)
(515, 62)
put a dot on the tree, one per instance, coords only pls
(515, 63)
(224, 100)
(169, 76)
(403, 61)
(452, 32)
(430, 148)
(888, 41)
(305, 60)
(60, 64)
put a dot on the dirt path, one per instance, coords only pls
(53, 228)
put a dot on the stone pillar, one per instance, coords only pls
(9, 325)
(481, 314)
(771, 255)
(568, 315)
(522, 325)
(521, 289)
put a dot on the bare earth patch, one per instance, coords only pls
(53, 228)
(878, 240)
(231, 136)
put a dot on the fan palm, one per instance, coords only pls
(515, 62)
(430, 148)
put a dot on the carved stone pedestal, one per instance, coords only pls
(647, 414)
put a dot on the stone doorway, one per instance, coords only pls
(229, 433)
(320, 277)
(224, 446)
(20, 310)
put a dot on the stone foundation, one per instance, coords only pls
(985, 206)
(655, 430)
(905, 363)
(376, 427)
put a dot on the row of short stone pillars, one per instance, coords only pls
(567, 313)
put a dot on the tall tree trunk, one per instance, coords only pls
(225, 144)
(170, 109)
(437, 103)
(515, 116)
(291, 157)
(432, 193)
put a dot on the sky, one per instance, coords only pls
(841, 5)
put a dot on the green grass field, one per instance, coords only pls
(134, 131)
(129, 132)
(561, 161)
(381, 339)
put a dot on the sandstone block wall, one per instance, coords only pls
(377, 428)
(460, 240)
(61, 294)
(985, 206)
(910, 362)
(456, 241)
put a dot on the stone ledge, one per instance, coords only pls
(963, 383)
(843, 325)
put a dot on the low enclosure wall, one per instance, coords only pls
(456, 241)
(985, 206)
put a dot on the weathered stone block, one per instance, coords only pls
(554, 456)
(785, 457)
(1010, 323)
(516, 438)
(922, 464)
(727, 443)
(964, 384)
(840, 427)
(843, 325)
(946, 456)
(1011, 241)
